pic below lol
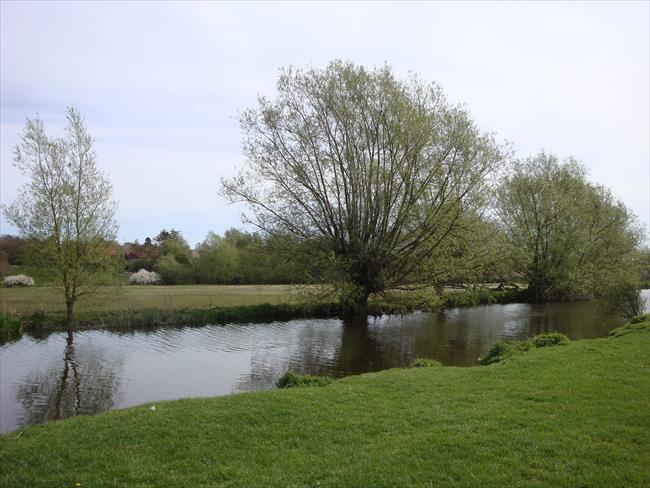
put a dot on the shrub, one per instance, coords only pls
(549, 339)
(144, 277)
(293, 380)
(424, 363)
(640, 322)
(640, 318)
(138, 264)
(501, 350)
(10, 323)
(622, 297)
(173, 272)
(18, 280)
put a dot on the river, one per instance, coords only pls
(44, 378)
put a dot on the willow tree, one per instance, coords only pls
(65, 208)
(378, 169)
(568, 236)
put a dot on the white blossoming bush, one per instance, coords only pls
(18, 280)
(144, 277)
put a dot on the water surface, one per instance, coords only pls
(46, 378)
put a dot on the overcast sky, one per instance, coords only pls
(160, 84)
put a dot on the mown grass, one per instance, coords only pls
(129, 298)
(571, 416)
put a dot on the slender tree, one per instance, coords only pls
(66, 207)
(380, 169)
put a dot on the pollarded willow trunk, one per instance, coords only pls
(538, 288)
(366, 278)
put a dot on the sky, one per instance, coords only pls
(160, 85)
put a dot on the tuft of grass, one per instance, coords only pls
(640, 323)
(501, 350)
(293, 380)
(10, 327)
(549, 339)
(424, 363)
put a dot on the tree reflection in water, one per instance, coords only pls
(87, 383)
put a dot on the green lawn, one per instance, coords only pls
(128, 298)
(575, 415)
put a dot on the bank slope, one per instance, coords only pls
(572, 415)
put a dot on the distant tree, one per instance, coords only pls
(66, 207)
(176, 246)
(164, 235)
(567, 235)
(379, 169)
(217, 261)
(12, 248)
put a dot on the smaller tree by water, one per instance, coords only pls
(567, 236)
(66, 208)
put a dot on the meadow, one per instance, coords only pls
(132, 298)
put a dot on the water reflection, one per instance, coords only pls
(48, 377)
(73, 383)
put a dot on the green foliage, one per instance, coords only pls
(65, 209)
(640, 323)
(424, 363)
(502, 350)
(473, 297)
(640, 318)
(174, 272)
(178, 248)
(565, 234)
(135, 265)
(241, 257)
(293, 380)
(12, 250)
(425, 299)
(549, 339)
(10, 323)
(620, 295)
(362, 161)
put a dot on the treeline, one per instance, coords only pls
(236, 258)
(545, 227)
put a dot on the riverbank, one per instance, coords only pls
(39, 309)
(524, 421)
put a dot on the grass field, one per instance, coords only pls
(576, 415)
(128, 298)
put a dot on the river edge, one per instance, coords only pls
(12, 326)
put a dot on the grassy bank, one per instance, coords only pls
(570, 415)
(143, 306)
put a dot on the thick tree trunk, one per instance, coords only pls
(366, 277)
(361, 307)
(536, 291)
